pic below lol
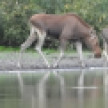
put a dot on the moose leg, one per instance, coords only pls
(62, 48)
(79, 50)
(59, 58)
(105, 51)
(26, 44)
(42, 35)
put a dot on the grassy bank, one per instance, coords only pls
(9, 48)
(17, 49)
(47, 51)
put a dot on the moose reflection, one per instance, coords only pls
(75, 89)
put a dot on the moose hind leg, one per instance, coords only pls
(41, 38)
(26, 44)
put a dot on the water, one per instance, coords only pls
(54, 89)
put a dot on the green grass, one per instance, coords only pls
(17, 49)
(9, 48)
(46, 50)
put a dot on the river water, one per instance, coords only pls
(54, 89)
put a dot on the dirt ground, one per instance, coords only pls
(32, 61)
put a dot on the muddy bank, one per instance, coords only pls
(32, 61)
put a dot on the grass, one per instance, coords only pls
(46, 50)
(9, 48)
(17, 49)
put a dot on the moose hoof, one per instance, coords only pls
(55, 65)
(83, 65)
(19, 65)
(48, 66)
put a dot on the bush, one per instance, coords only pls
(14, 17)
(15, 23)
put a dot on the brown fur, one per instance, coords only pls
(79, 18)
(69, 26)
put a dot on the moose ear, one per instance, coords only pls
(92, 31)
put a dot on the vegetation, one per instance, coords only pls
(14, 15)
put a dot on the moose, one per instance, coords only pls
(63, 27)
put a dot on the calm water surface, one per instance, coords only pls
(54, 89)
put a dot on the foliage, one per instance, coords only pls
(15, 14)
(14, 22)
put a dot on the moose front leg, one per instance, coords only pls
(80, 53)
(63, 43)
(59, 58)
